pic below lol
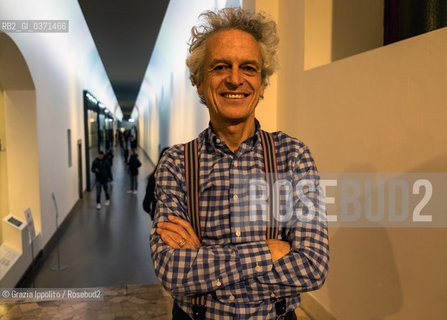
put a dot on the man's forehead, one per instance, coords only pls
(233, 44)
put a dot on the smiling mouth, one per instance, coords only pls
(234, 95)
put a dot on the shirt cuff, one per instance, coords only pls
(254, 259)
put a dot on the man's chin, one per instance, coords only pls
(235, 119)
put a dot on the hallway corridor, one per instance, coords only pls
(106, 247)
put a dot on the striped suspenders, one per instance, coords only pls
(192, 170)
(271, 174)
(198, 303)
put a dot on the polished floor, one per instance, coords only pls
(132, 302)
(106, 247)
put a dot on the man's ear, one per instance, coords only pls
(199, 88)
(198, 84)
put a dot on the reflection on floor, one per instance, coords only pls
(106, 248)
(123, 303)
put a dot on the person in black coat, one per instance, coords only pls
(149, 201)
(103, 172)
(133, 142)
(133, 164)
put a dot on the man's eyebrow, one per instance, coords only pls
(217, 61)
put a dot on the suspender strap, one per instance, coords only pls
(271, 175)
(198, 303)
(192, 185)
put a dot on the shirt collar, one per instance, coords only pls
(216, 143)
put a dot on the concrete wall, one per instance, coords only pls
(379, 111)
(266, 111)
(61, 66)
(336, 29)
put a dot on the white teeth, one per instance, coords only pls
(233, 96)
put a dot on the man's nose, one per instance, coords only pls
(234, 78)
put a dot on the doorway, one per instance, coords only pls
(80, 186)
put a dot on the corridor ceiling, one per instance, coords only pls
(125, 32)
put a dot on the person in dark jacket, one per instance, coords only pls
(149, 201)
(133, 164)
(133, 142)
(109, 156)
(103, 172)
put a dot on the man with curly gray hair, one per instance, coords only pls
(215, 263)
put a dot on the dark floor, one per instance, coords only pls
(132, 302)
(106, 247)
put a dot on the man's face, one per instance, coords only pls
(100, 156)
(231, 82)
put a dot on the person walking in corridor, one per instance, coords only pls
(215, 260)
(103, 172)
(133, 164)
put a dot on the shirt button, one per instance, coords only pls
(238, 233)
(235, 197)
(217, 140)
(258, 268)
(231, 297)
(235, 163)
(218, 283)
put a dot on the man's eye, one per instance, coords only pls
(249, 70)
(220, 67)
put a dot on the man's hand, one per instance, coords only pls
(178, 233)
(278, 248)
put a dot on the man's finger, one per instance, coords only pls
(173, 227)
(173, 240)
(168, 240)
(185, 224)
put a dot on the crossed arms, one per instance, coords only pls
(263, 268)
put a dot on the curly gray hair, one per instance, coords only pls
(262, 28)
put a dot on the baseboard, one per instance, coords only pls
(314, 309)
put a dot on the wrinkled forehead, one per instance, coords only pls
(233, 45)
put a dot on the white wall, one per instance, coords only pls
(170, 111)
(379, 111)
(61, 66)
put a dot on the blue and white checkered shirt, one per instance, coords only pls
(234, 267)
